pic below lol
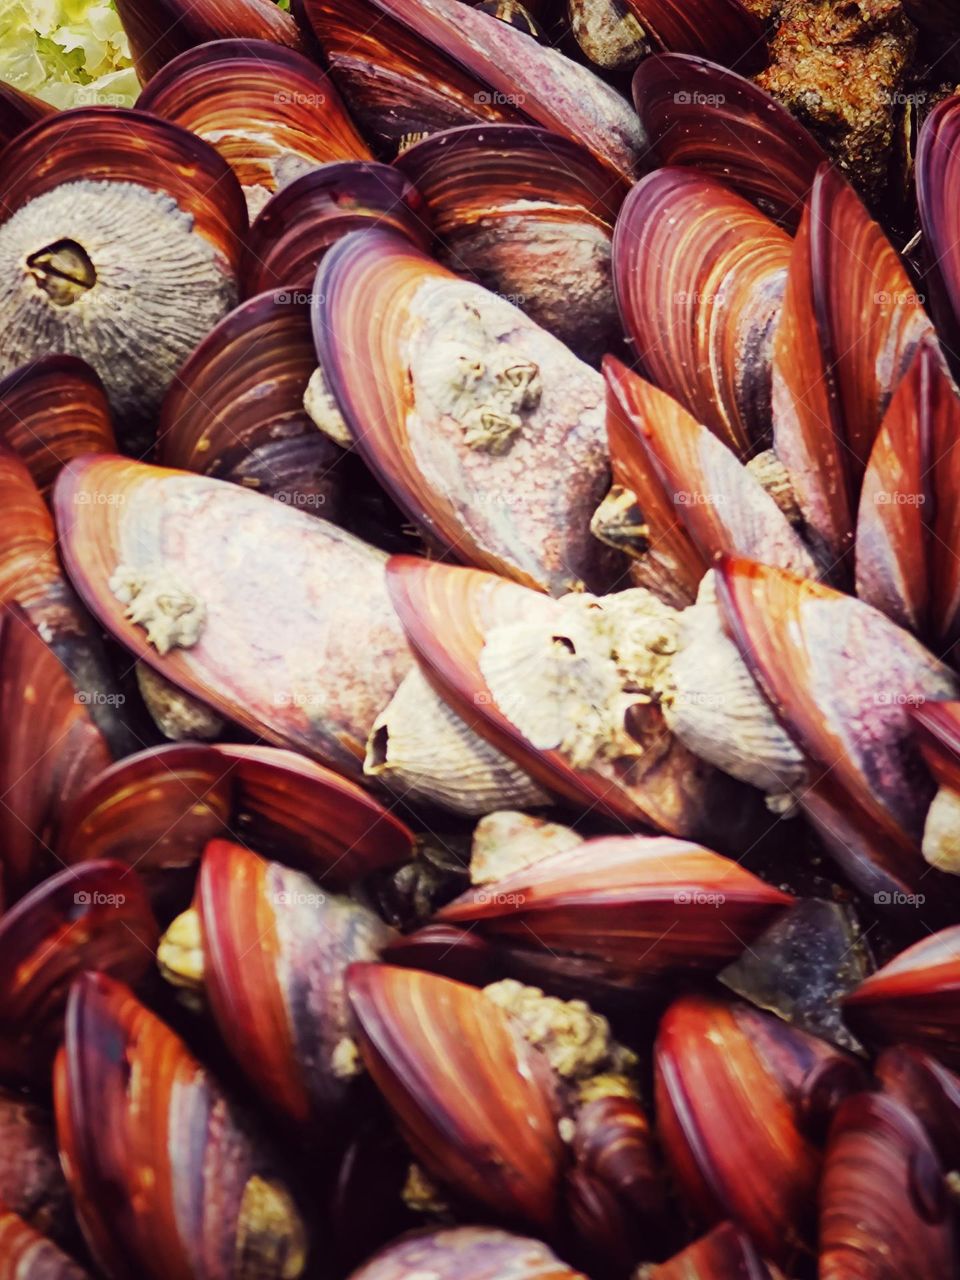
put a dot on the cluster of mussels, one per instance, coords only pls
(479, 647)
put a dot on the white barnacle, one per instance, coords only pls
(941, 832)
(116, 274)
(714, 707)
(566, 681)
(172, 616)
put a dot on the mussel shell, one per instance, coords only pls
(700, 114)
(699, 274)
(268, 110)
(738, 1096)
(640, 907)
(159, 30)
(31, 578)
(170, 1180)
(914, 999)
(286, 597)
(724, 1254)
(27, 1255)
(235, 410)
(938, 174)
(908, 529)
(723, 29)
(830, 666)
(529, 214)
(523, 509)
(298, 225)
(276, 950)
(930, 1091)
(52, 749)
(424, 65)
(51, 410)
(883, 1201)
(447, 613)
(722, 507)
(670, 563)
(850, 323)
(94, 917)
(472, 1098)
(466, 1253)
(158, 809)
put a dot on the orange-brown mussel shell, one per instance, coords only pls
(236, 409)
(284, 596)
(32, 579)
(908, 527)
(414, 66)
(27, 1255)
(473, 1100)
(740, 1096)
(849, 327)
(52, 749)
(51, 410)
(830, 666)
(276, 951)
(159, 30)
(529, 214)
(481, 425)
(466, 1253)
(159, 808)
(270, 112)
(699, 275)
(171, 1181)
(94, 917)
(702, 115)
(631, 910)
(680, 470)
(299, 224)
(914, 999)
(884, 1212)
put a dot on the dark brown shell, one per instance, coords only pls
(298, 225)
(235, 410)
